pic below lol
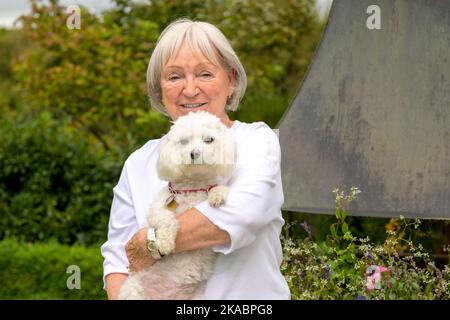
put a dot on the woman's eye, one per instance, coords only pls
(173, 77)
(208, 140)
(184, 141)
(205, 75)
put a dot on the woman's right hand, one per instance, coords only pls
(138, 255)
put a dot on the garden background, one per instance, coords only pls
(73, 106)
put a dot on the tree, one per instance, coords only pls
(94, 76)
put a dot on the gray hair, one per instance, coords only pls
(203, 38)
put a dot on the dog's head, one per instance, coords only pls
(197, 147)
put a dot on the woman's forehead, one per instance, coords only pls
(172, 64)
(203, 57)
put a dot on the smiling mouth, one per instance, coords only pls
(192, 105)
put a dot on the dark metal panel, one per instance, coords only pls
(374, 112)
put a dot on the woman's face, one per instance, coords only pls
(190, 82)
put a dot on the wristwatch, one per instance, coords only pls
(152, 247)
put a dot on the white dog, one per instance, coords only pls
(196, 157)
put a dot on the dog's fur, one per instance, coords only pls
(189, 160)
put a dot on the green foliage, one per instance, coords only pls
(343, 266)
(12, 43)
(94, 76)
(267, 108)
(54, 183)
(39, 271)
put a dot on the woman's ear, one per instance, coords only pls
(232, 76)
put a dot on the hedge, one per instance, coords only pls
(39, 271)
(54, 183)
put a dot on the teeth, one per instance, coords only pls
(192, 105)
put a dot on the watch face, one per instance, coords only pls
(152, 248)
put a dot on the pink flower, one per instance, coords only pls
(373, 276)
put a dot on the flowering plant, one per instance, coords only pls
(347, 267)
(373, 277)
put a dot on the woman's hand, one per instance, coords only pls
(114, 282)
(139, 257)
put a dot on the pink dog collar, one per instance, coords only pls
(179, 191)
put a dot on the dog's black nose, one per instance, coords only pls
(195, 153)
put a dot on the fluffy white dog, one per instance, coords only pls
(197, 158)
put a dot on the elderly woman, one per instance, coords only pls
(193, 67)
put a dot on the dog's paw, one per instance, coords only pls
(165, 247)
(159, 217)
(218, 195)
(166, 236)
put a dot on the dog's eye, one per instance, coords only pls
(184, 141)
(208, 139)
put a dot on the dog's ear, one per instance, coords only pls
(168, 164)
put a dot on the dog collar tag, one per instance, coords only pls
(171, 203)
(169, 200)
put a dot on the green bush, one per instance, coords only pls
(95, 76)
(39, 271)
(54, 184)
(346, 267)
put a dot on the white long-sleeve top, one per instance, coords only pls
(247, 268)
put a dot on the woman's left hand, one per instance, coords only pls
(139, 257)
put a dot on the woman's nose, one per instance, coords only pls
(190, 88)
